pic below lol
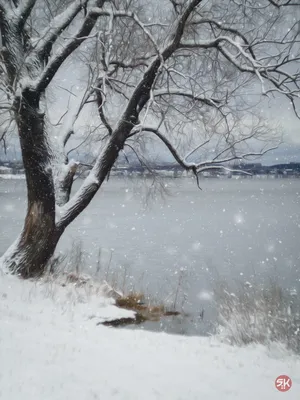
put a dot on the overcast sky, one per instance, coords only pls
(276, 110)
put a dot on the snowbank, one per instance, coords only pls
(51, 348)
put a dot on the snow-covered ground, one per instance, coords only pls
(52, 348)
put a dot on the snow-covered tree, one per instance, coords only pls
(179, 71)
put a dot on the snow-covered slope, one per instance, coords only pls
(51, 348)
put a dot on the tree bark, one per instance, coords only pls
(39, 236)
(63, 175)
(29, 256)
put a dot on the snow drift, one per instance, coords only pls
(52, 348)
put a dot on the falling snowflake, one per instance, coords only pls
(196, 246)
(239, 219)
(205, 295)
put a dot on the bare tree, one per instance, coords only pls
(176, 70)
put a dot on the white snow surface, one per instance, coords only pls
(52, 348)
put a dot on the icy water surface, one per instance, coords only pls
(238, 230)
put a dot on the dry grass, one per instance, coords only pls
(115, 283)
(132, 301)
(260, 314)
(137, 302)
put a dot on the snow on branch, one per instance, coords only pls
(244, 59)
(205, 44)
(189, 94)
(57, 25)
(225, 28)
(144, 89)
(56, 60)
(124, 14)
(72, 116)
(5, 7)
(62, 21)
(23, 11)
(127, 121)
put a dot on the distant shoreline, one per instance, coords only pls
(12, 176)
(203, 177)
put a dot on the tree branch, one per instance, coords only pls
(129, 118)
(202, 166)
(187, 93)
(58, 24)
(23, 10)
(56, 61)
(287, 3)
(100, 104)
(226, 29)
(68, 127)
(245, 62)
(4, 6)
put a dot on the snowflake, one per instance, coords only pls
(239, 218)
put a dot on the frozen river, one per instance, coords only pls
(232, 229)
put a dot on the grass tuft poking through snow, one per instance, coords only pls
(258, 314)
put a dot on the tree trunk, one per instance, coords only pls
(39, 237)
(63, 175)
(29, 255)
